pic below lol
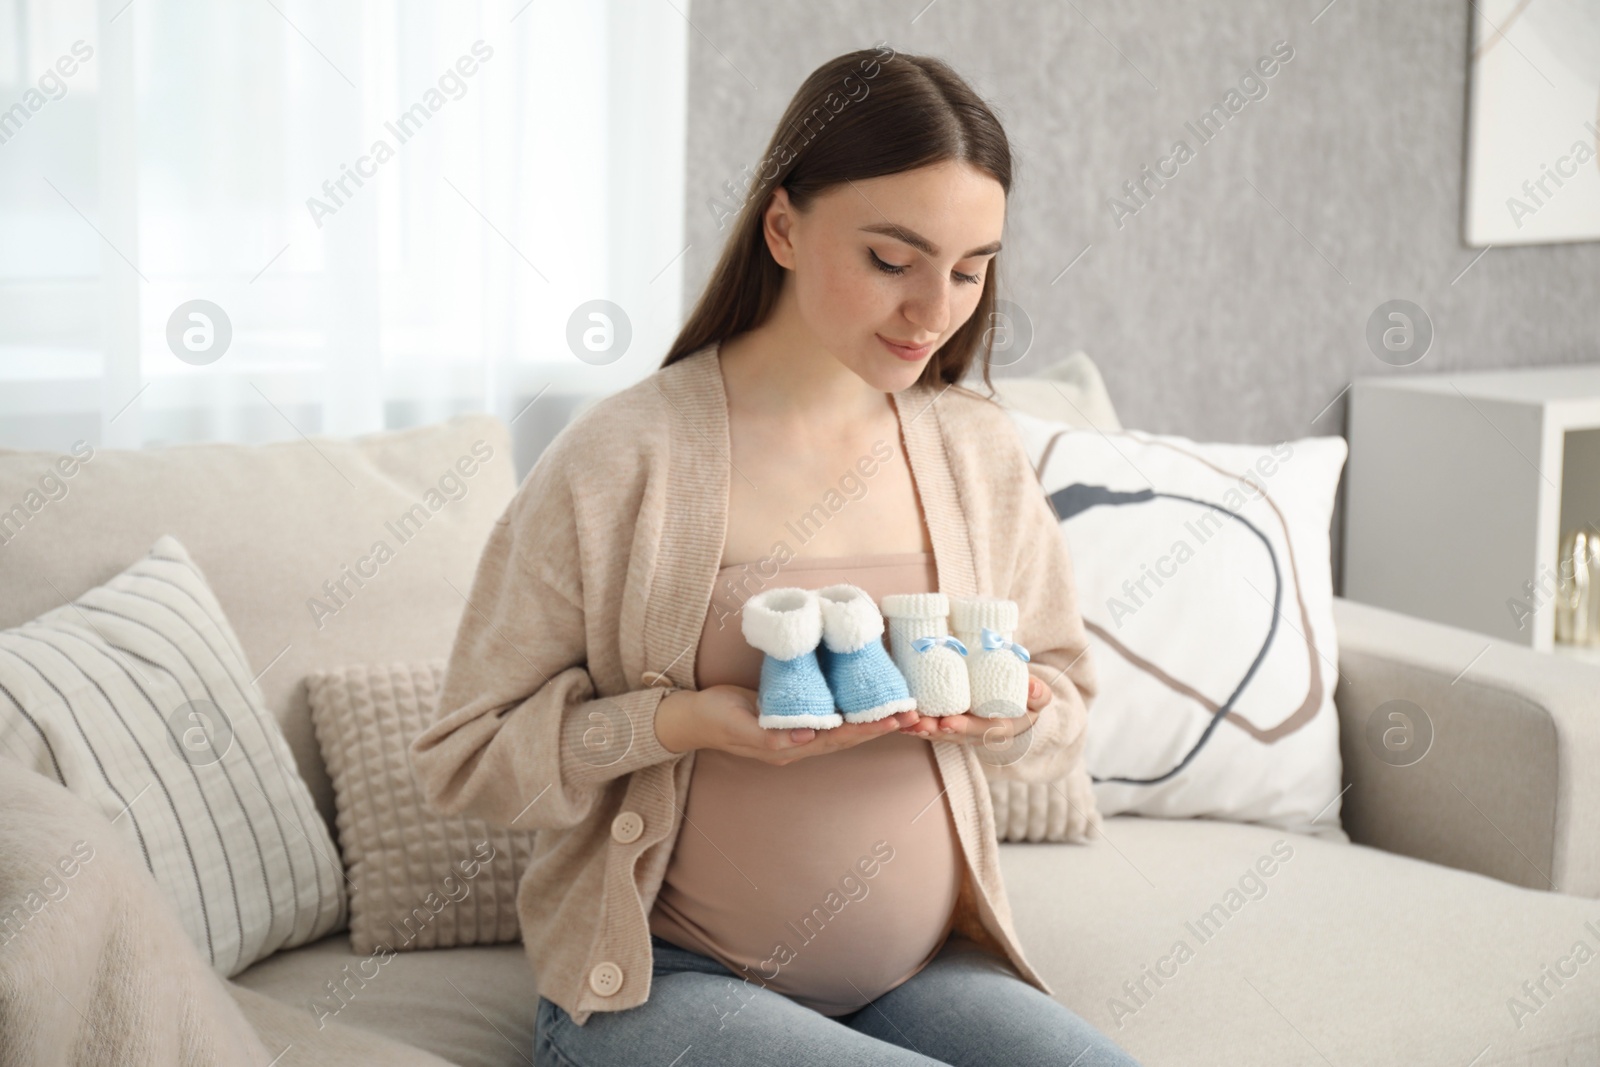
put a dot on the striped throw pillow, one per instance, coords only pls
(138, 697)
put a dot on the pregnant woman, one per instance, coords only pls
(703, 890)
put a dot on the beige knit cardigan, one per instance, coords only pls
(587, 608)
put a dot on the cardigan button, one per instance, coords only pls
(606, 978)
(650, 678)
(627, 827)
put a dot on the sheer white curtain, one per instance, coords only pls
(397, 207)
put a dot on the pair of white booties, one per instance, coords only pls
(957, 653)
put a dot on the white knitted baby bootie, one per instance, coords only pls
(996, 665)
(933, 663)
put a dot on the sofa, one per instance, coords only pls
(1464, 876)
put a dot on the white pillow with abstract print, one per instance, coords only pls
(1204, 580)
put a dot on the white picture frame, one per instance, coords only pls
(1533, 123)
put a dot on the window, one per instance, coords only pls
(388, 213)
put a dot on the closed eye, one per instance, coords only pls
(887, 268)
(901, 268)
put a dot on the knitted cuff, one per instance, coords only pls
(968, 615)
(783, 623)
(850, 620)
(800, 722)
(916, 606)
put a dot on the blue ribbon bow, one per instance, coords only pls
(923, 644)
(993, 639)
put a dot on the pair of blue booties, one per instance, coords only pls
(825, 662)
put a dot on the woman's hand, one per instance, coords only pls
(723, 717)
(971, 729)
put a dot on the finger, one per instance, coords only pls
(822, 742)
(810, 741)
(1000, 735)
(925, 726)
(969, 728)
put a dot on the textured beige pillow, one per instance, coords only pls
(418, 879)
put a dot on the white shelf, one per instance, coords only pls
(1460, 487)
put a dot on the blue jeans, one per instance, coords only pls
(967, 1006)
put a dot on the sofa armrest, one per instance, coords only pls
(95, 965)
(1510, 786)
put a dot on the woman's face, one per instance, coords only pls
(885, 270)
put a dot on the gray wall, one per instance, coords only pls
(1208, 313)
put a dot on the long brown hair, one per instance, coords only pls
(862, 115)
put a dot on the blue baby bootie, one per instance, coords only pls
(786, 624)
(866, 684)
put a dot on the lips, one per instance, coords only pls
(907, 351)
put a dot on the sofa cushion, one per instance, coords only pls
(289, 536)
(1340, 954)
(1317, 956)
(418, 879)
(1070, 390)
(309, 1042)
(470, 1006)
(136, 697)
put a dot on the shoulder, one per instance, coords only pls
(980, 432)
(629, 429)
(988, 460)
(968, 407)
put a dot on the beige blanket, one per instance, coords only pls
(95, 968)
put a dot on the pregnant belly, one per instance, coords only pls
(831, 880)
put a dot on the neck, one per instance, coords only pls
(780, 369)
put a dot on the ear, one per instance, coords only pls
(777, 226)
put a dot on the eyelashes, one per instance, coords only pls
(887, 268)
(900, 268)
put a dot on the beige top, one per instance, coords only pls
(772, 877)
(587, 608)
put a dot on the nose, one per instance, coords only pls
(929, 308)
